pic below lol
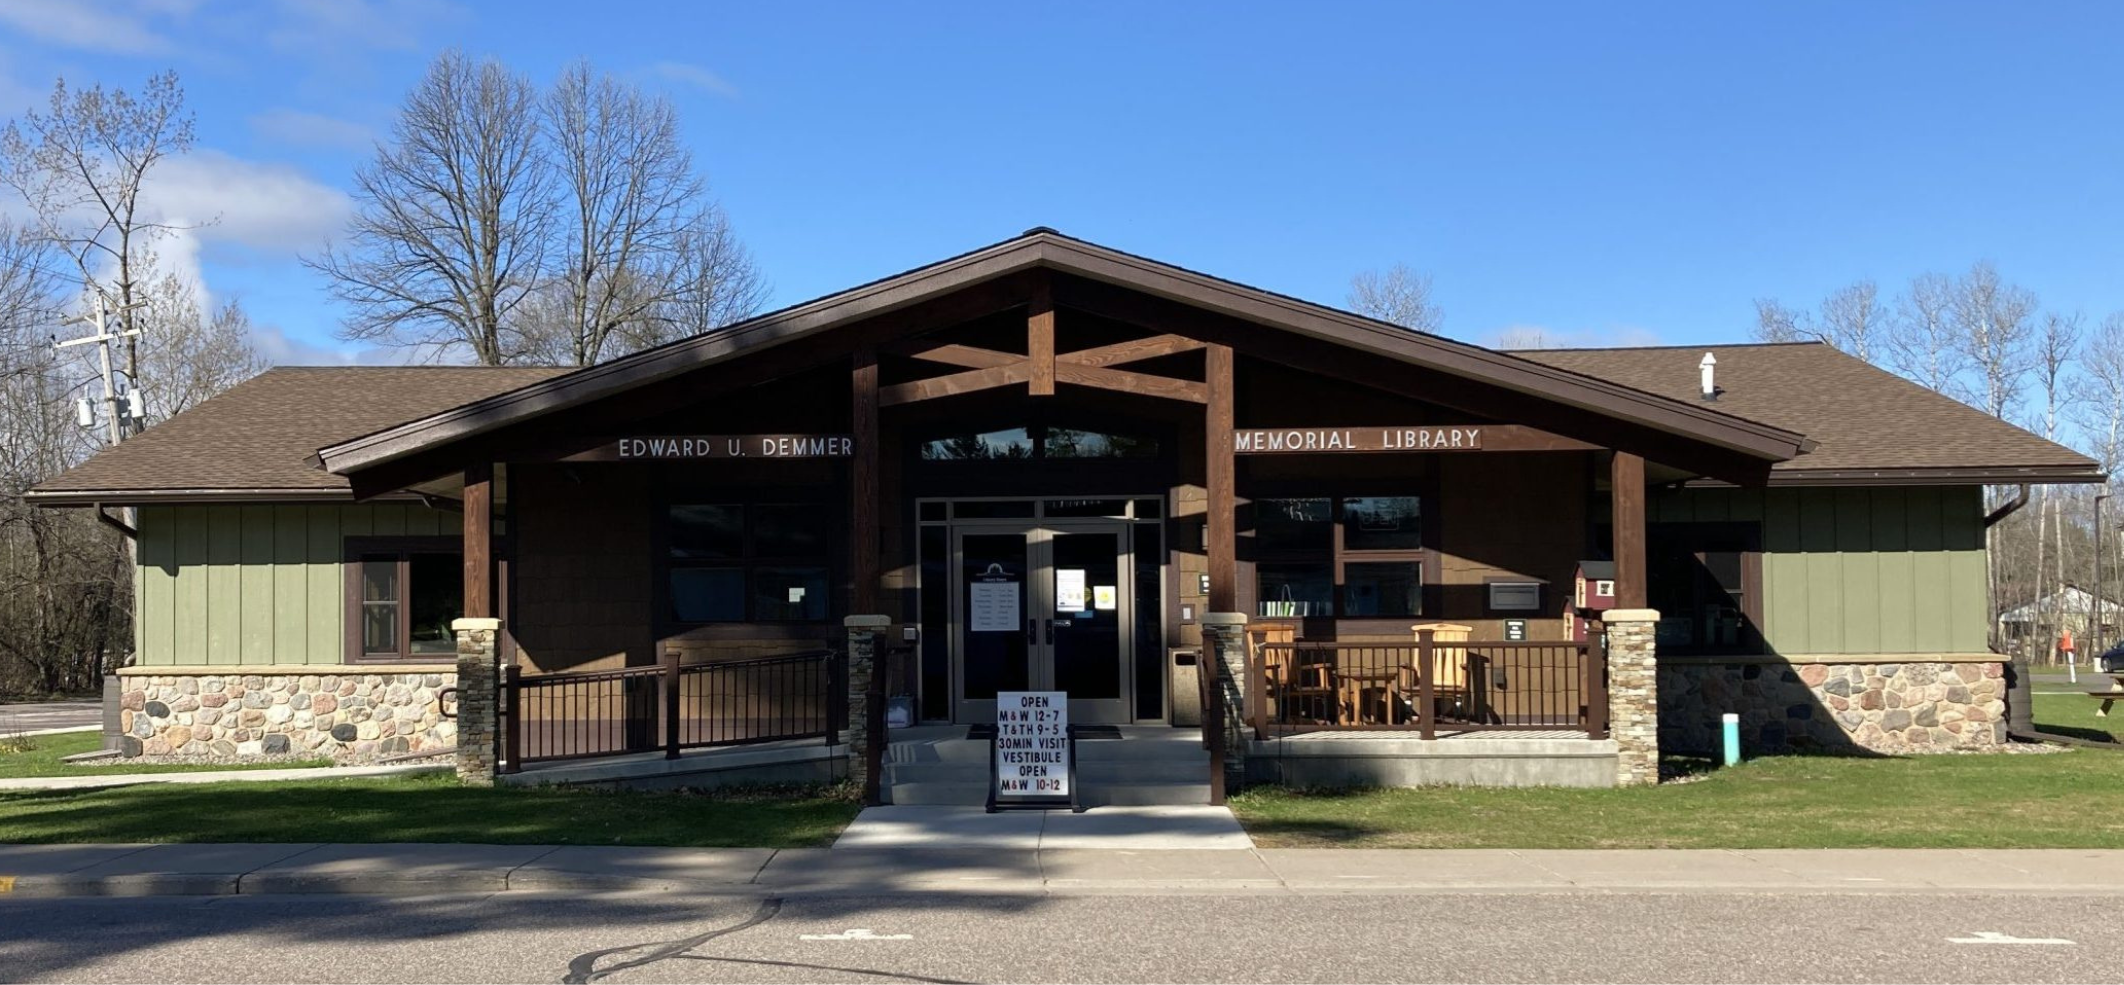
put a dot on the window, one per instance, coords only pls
(1353, 556)
(403, 594)
(757, 561)
(1038, 441)
(1705, 579)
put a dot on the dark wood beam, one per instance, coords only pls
(953, 354)
(971, 381)
(1221, 535)
(1626, 485)
(863, 485)
(1040, 342)
(1138, 383)
(1134, 350)
(479, 541)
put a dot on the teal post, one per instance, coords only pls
(1729, 727)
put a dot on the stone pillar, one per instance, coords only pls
(1224, 641)
(478, 698)
(1633, 694)
(865, 639)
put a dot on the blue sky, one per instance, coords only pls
(1613, 173)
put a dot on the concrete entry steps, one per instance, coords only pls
(1148, 766)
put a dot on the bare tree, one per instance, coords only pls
(1994, 322)
(627, 185)
(453, 216)
(1398, 295)
(81, 166)
(1923, 341)
(1528, 337)
(190, 353)
(559, 228)
(2055, 352)
(1851, 318)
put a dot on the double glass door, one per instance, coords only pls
(1043, 605)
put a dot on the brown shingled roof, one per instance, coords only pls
(260, 435)
(1865, 421)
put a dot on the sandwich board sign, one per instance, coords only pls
(1035, 763)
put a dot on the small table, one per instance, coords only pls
(1355, 683)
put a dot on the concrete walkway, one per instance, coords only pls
(1130, 828)
(117, 779)
(411, 869)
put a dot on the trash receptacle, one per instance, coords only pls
(1186, 663)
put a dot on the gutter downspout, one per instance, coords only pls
(2008, 508)
(117, 524)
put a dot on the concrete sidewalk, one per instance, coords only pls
(418, 869)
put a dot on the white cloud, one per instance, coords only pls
(294, 126)
(115, 28)
(312, 26)
(263, 205)
(685, 73)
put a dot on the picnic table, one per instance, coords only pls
(2111, 696)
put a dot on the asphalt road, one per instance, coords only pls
(1255, 937)
(37, 715)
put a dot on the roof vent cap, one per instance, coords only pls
(1709, 368)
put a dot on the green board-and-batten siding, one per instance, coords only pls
(1859, 570)
(255, 583)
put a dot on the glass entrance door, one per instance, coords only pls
(1044, 606)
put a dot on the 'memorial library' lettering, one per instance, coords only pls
(1274, 440)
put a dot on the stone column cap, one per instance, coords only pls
(1224, 618)
(1630, 615)
(866, 622)
(474, 625)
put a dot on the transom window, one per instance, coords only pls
(1351, 556)
(748, 561)
(1038, 441)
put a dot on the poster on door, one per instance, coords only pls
(1032, 745)
(992, 601)
(1069, 590)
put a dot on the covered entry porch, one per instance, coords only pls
(1048, 464)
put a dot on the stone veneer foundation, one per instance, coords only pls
(340, 712)
(1913, 706)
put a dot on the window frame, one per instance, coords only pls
(748, 561)
(1338, 555)
(355, 551)
(1748, 535)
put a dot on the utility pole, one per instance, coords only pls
(113, 414)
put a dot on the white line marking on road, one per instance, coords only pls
(1994, 937)
(855, 934)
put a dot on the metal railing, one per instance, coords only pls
(1209, 678)
(1428, 685)
(671, 706)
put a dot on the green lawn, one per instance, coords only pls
(427, 807)
(2060, 800)
(2073, 715)
(46, 750)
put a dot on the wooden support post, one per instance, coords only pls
(1427, 681)
(1040, 342)
(863, 484)
(479, 541)
(1627, 502)
(1221, 538)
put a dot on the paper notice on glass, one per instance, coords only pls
(1103, 597)
(994, 605)
(1069, 590)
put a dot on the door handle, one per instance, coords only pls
(1050, 639)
